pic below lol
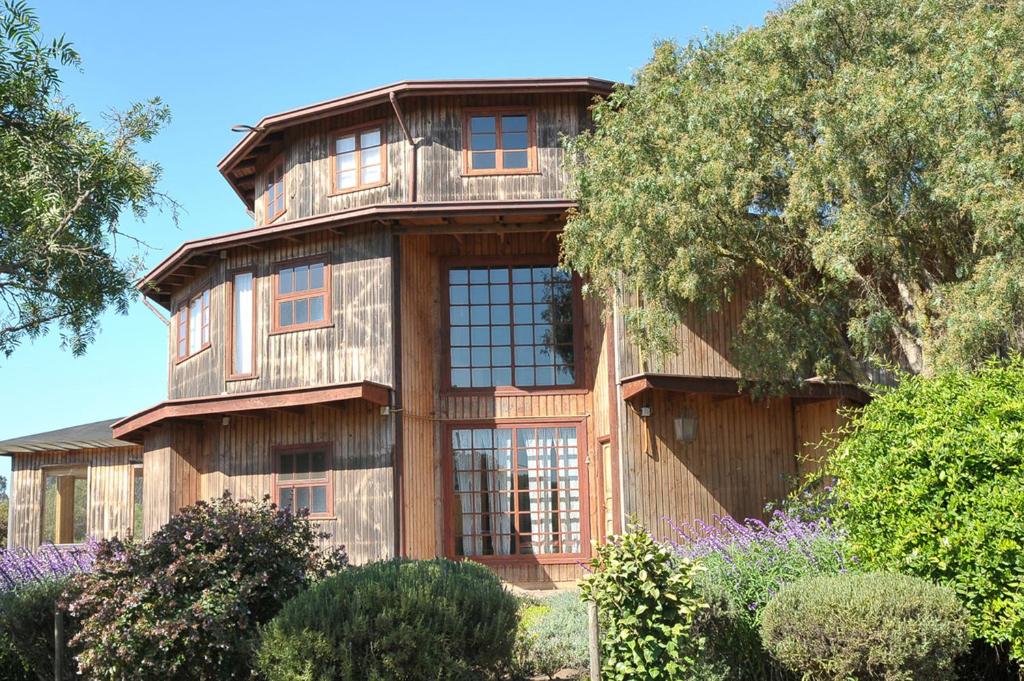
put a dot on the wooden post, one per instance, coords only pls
(595, 641)
(58, 644)
(64, 516)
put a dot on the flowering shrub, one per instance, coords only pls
(187, 604)
(745, 565)
(20, 566)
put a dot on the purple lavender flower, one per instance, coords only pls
(20, 566)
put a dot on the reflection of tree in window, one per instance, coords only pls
(65, 498)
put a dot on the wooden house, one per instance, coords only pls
(392, 346)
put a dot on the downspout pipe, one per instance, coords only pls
(413, 198)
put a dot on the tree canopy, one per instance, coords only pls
(860, 161)
(63, 186)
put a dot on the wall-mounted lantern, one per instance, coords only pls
(686, 426)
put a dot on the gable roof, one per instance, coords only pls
(97, 435)
(249, 146)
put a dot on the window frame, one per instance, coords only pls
(457, 262)
(229, 293)
(58, 468)
(137, 471)
(498, 112)
(448, 490)
(328, 447)
(276, 297)
(357, 131)
(278, 164)
(185, 307)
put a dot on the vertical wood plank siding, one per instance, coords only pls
(816, 422)
(353, 349)
(110, 485)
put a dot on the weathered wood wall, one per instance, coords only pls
(109, 506)
(436, 125)
(816, 423)
(354, 348)
(172, 469)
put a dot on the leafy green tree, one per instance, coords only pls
(860, 163)
(64, 184)
(930, 482)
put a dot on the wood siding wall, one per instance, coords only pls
(427, 410)
(816, 423)
(184, 463)
(110, 485)
(436, 125)
(355, 348)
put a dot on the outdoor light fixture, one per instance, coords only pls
(225, 421)
(686, 426)
(645, 412)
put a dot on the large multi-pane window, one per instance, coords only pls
(302, 297)
(303, 480)
(511, 326)
(360, 159)
(499, 142)
(65, 505)
(517, 491)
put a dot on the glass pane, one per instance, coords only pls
(501, 376)
(301, 466)
(347, 161)
(458, 276)
(318, 504)
(370, 175)
(137, 527)
(458, 295)
(515, 159)
(460, 378)
(460, 357)
(301, 498)
(301, 311)
(318, 466)
(371, 157)
(301, 278)
(285, 498)
(242, 323)
(284, 313)
(483, 142)
(483, 160)
(347, 179)
(460, 335)
(316, 276)
(513, 141)
(286, 465)
(346, 143)
(284, 281)
(370, 138)
(316, 309)
(513, 123)
(482, 124)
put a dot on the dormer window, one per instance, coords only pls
(275, 191)
(193, 325)
(499, 142)
(359, 158)
(302, 296)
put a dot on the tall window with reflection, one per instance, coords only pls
(511, 326)
(302, 296)
(517, 491)
(303, 480)
(499, 142)
(243, 324)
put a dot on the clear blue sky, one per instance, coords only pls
(221, 63)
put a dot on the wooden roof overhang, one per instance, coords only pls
(813, 390)
(453, 217)
(261, 403)
(239, 165)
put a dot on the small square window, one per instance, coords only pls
(360, 159)
(499, 142)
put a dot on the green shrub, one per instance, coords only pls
(26, 631)
(398, 619)
(882, 626)
(930, 482)
(186, 605)
(647, 602)
(552, 636)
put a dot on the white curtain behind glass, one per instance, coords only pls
(243, 323)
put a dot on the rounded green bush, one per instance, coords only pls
(930, 482)
(877, 625)
(398, 619)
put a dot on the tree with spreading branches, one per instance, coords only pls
(63, 186)
(858, 163)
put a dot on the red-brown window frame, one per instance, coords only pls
(458, 262)
(357, 131)
(185, 307)
(498, 112)
(277, 297)
(328, 447)
(276, 172)
(448, 487)
(229, 293)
